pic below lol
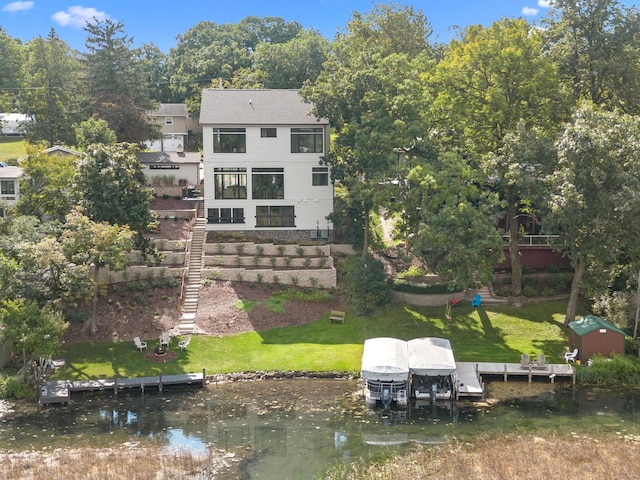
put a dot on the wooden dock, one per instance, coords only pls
(59, 391)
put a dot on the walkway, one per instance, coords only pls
(59, 391)
(191, 291)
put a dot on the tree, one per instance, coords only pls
(290, 64)
(31, 330)
(210, 54)
(94, 131)
(450, 220)
(11, 60)
(366, 284)
(45, 185)
(595, 44)
(52, 93)
(95, 245)
(370, 91)
(596, 201)
(112, 188)
(116, 82)
(489, 85)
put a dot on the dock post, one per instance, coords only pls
(530, 374)
(505, 372)
(142, 386)
(204, 378)
(115, 385)
(160, 382)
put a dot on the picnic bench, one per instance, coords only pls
(336, 316)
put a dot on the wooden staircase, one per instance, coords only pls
(488, 296)
(191, 292)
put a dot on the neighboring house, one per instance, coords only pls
(9, 186)
(60, 150)
(169, 169)
(13, 123)
(175, 123)
(262, 168)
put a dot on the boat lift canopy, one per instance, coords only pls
(385, 359)
(431, 356)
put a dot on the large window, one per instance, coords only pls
(7, 189)
(275, 216)
(225, 215)
(267, 183)
(306, 140)
(229, 140)
(320, 176)
(230, 183)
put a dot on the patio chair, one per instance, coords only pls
(525, 361)
(477, 301)
(336, 316)
(571, 356)
(140, 345)
(164, 339)
(182, 345)
(541, 362)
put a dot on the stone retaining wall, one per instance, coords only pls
(325, 278)
(426, 300)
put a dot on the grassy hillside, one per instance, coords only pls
(11, 148)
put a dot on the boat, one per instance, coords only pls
(433, 368)
(385, 371)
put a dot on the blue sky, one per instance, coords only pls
(160, 21)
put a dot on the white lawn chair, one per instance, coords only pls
(164, 339)
(571, 356)
(140, 345)
(182, 345)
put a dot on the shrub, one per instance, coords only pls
(273, 261)
(618, 370)
(366, 284)
(281, 249)
(300, 251)
(260, 249)
(14, 387)
(294, 280)
(220, 247)
(239, 276)
(412, 271)
(313, 281)
(322, 262)
(552, 269)
(259, 277)
(529, 291)
(240, 247)
(307, 262)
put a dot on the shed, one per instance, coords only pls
(593, 335)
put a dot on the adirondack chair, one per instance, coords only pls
(571, 356)
(140, 345)
(164, 339)
(182, 345)
(477, 301)
(541, 362)
(525, 361)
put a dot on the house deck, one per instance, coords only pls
(59, 391)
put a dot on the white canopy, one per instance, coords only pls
(431, 356)
(385, 359)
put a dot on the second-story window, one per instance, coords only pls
(229, 140)
(230, 183)
(267, 183)
(168, 120)
(306, 140)
(269, 132)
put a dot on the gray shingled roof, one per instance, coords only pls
(169, 110)
(255, 107)
(151, 158)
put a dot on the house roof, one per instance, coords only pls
(255, 107)
(151, 158)
(169, 110)
(60, 150)
(10, 172)
(589, 323)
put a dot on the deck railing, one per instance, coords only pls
(533, 240)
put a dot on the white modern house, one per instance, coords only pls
(262, 164)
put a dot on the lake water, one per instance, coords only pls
(293, 429)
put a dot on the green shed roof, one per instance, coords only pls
(589, 323)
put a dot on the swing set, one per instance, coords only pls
(451, 303)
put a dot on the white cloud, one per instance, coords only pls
(544, 3)
(78, 16)
(17, 6)
(529, 11)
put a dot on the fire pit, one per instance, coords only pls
(160, 350)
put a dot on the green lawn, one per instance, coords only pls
(492, 334)
(11, 148)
